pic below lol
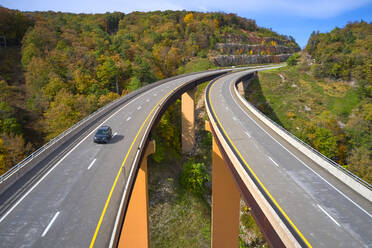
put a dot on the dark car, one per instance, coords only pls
(103, 135)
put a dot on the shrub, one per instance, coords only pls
(194, 176)
(316, 70)
(291, 61)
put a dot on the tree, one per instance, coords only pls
(360, 163)
(16, 149)
(107, 73)
(291, 61)
(142, 71)
(64, 111)
(134, 84)
(194, 176)
(325, 142)
(105, 99)
(3, 164)
(189, 18)
(37, 76)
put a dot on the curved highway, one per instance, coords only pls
(320, 211)
(75, 202)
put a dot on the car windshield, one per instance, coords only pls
(101, 131)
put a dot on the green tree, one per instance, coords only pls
(142, 71)
(360, 163)
(134, 84)
(291, 61)
(64, 111)
(107, 73)
(325, 142)
(194, 176)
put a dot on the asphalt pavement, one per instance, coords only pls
(75, 202)
(325, 213)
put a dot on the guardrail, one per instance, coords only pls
(52, 141)
(25, 165)
(316, 152)
(15, 168)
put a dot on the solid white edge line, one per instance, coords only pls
(272, 160)
(50, 224)
(94, 160)
(348, 198)
(248, 134)
(54, 166)
(329, 215)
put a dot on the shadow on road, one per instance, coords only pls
(253, 93)
(116, 139)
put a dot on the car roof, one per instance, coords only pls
(103, 127)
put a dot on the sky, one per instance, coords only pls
(297, 18)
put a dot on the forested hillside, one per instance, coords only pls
(56, 68)
(326, 98)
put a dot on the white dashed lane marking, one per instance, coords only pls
(329, 215)
(248, 134)
(272, 160)
(91, 164)
(50, 224)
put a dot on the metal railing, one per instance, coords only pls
(18, 166)
(333, 163)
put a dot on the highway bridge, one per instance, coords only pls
(74, 193)
(316, 208)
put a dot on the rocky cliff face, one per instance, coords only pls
(239, 49)
(229, 60)
(251, 39)
(248, 49)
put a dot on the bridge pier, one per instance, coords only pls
(135, 231)
(225, 201)
(188, 120)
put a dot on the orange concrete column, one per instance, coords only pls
(241, 88)
(225, 202)
(135, 231)
(188, 120)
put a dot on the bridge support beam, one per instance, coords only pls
(135, 231)
(188, 120)
(225, 201)
(241, 88)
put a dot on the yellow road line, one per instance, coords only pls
(121, 167)
(249, 168)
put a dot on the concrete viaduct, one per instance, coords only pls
(73, 193)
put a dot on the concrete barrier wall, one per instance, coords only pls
(347, 179)
(270, 213)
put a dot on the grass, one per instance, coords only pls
(342, 106)
(177, 218)
(305, 105)
(196, 64)
(300, 94)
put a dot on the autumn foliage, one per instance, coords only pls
(69, 65)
